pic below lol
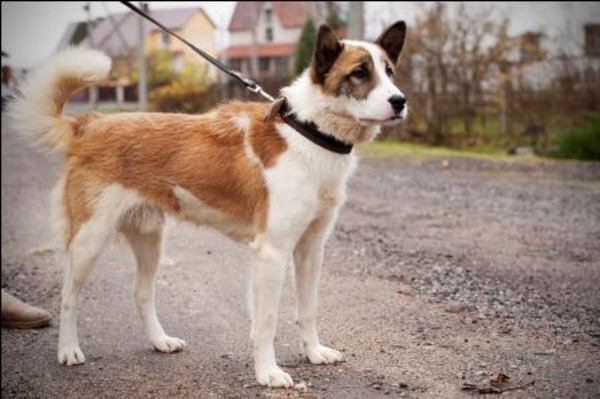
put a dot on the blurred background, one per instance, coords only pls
(489, 77)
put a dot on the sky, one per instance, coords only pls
(31, 31)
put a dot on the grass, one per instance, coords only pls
(394, 148)
(496, 163)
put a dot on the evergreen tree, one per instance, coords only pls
(305, 46)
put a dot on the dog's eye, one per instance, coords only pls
(389, 71)
(359, 73)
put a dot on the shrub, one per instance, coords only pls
(178, 97)
(583, 143)
(188, 92)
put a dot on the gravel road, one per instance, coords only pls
(442, 271)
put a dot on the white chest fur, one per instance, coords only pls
(306, 182)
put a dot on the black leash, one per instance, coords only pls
(249, 83)
(307, 129)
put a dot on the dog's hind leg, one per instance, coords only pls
(92, 229)
(146, 247)
(83, 253)
(308, 258)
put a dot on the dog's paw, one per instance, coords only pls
(71, 356)
(168, 344)
(323, 355)
(274, 378)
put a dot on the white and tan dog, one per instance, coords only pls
(255, 179)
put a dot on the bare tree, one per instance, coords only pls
(427, 49)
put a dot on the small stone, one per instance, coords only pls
(301, 387)
(455, 307)
(548, 352)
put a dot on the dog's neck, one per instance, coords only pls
(309, 103)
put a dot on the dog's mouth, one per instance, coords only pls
(371, 122)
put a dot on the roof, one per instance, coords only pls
(290, 14)
(106, 38)
(262, 50)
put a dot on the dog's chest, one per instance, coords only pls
(309, 180)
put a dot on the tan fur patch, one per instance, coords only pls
(65, 87)
(81, 192)
(337, 81)
(153, 152)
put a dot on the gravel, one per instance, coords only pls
(441, 271)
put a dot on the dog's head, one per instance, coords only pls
(358, 77)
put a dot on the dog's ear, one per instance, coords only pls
(327, 50)
(392, 40)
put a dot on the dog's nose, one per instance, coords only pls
(398, 103)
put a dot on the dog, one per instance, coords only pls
(242, 168)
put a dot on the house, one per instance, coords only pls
(269, 30)
(581, 71)
(117, 36)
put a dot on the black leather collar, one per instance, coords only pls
(311, 131)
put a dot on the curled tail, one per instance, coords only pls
(37, 111)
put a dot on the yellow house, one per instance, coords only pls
(117, 36)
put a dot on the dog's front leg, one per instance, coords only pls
(269, 265)
(308, 258)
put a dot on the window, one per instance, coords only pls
(268, 15)
(282, 66)
(264, 64)
(592, 39)
(269, 34)
(235, 64)
(165, 39)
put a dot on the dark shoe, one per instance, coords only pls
(18, 314)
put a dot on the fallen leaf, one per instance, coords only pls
(498, 379)
(498, 383)
(39, 252)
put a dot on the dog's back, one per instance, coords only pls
(217, 156)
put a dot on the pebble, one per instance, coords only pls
(548, 352)
(301, 387)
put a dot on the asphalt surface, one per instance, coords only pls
(442, 271)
